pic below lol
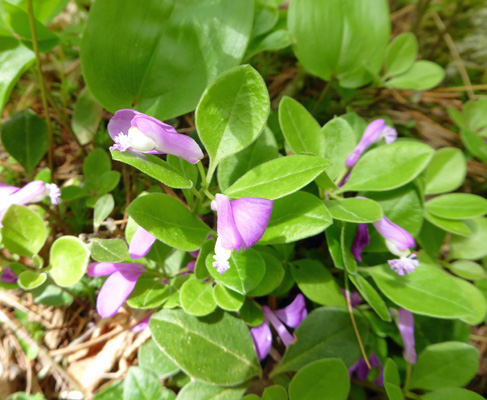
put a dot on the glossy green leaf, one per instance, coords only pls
(202, 391)
(30, 279)
(68, 260)
(392, 381)
(230, 356)
(316, 282)
(475, 144)
(103, 208)
(112, 392)
(142, 384)
(389, 167)
(276, 40)
(452, 393)
(275, 392)
(232, 113)
(333, 234)
(319, 377)
(476, 299)
(327, 332)
(427, 290)
(422, 75)
(354, 210)
(471, 247)
(25, 138)
(340, 141)
(44, 10)
(154, 167)
(347, 236)
(23, 231)
(247, 269)
(197, 297)
(227, 299)
(278, 178)
(468, 269)
(151, 357)
(274, 274)
(301, 131)
(251, 312)
(148, 293)
(448, 364)
(457, 206)
(87, 115)
(109, 250)
(449, 225)
(163, 66)
(96, 164)
(174, 289)
(353, 45)
(295, 217)
(446, 171)
(200, 270)
(169, 221)
(370, 295)
(474, 112)
(401, 54)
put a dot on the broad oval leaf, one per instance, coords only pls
(389, 167)
(169, 221)
(202, 391)
(457, 206)
(452, 393)
(354, 210)
(143, 384)
(340, 141)
(196, 297)
(401, 54)
(109, 250)
(446, 171)
(231, 113)
(473, 246)
(68, 260)
(448, 225)
(29, 280)
(230, 357)
(103, 208)
(228, 299)
(274, 275)
(468, 269)
(278, 178)
(162, 65)
(151, 357)
(370, 295)
(295, 217)
(422, 75)
(148, 293)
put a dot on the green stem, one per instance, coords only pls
(342, 175)
(201, 169)
(323, 94)
(42, 85)
(408, 377)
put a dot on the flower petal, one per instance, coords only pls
(106, 268)
(281, 330)
(262, 337)
(121, 122)
(371, 135)
(33, 191)
(7, 190)
(361, 240)
(251, 215)
(115, 291)
(392, 232)
(405, 323)
(294, 313)
(142, 325)
(141, 243)
(8, 275)
(226, 227)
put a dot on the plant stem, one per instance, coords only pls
(204, 182)
(42, 85)
(323, 94)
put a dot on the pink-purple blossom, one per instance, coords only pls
(241, 224)
(8, 276)
(117, 287)
(361, 370)
(132, 130)
(141, 243)
(405, 323)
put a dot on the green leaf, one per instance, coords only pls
(295, 217)
(471, 247)
(103, 208)
(142, 384)
(389, 167)
(197, 297)
(200, 270)
(109, 250)
(96, 164)
(392, 381)
(228, 299)
(354, 210)
(230, 357)
(25, 138)
(23, 231)
(275, 392)
(164, 65)
(68, 260)
(452, 393)
(347, 237)
(340, 141)
(87, 115)
(327, 332)
(474, 112)
(333, 235)
(148, 293)
(202, 391)
(476, 299)
(422, 75)
(112, 392)
(351, 48)
(274, 274)
(457, 206)
(278, 178)
(152, 358)
(468, 269)
(30, 279)
(324, 376)
(246, 271)
(447, 364)
(301, 131)
(427, 291)
(317, 283)
(401, 54)
(370, 295)
(251, 312)
(169, 221)
(475, 144)
(44, 10)
(231, 113)
(263, 149)
(449, 225)
(154, 167)
(446, 171)
(276, 40)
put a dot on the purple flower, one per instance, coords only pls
(142, 325)
(241, 224)
(375, 131)
(361, 240)
(361, 370)
(405, 323)
(141, 243)
(292, 316)
(355, 298)
(33, 192)
(117, 287)
(8, 276)
(132, 130)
